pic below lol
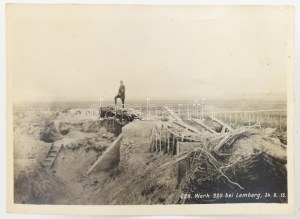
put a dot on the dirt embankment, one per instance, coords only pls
(83, 140)
(136, 179)
(133, 181)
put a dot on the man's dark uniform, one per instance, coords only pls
(121, 94)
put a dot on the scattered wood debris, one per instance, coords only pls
(123, 116)
(218, 162)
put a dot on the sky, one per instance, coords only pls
(80, 53)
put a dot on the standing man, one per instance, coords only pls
(121, 94)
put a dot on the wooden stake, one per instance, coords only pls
(173, 142)
(235, 118)
(168, 142)
(160, 132)
(156, 148)
(249, 119)
(280, 121)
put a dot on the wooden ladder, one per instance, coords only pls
(51, 156)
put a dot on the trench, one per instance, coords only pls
(66, 182)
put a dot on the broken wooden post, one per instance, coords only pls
(168, 141)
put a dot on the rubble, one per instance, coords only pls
(101, 159)
(233, 162)
(123, 116)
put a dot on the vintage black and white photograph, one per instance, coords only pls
(150, 105)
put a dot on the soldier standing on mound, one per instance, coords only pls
(121, 94)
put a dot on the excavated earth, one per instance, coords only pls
(135, 179)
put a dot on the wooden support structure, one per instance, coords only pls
(199, 122)
(186, 126)
(221, 123)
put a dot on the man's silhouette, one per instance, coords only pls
(121, 94)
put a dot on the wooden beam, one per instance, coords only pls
(199, 122)
(184, 125)
(109, 158)
(221, 123)
(173, 114)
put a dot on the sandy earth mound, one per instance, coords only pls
(138, 177)
(82, 143)
(39, 186)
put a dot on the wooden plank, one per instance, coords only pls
(218, 146)
(55, 156)
(183, 147)
(47, 155)
(199, 122)
(184, 125)
(109, 158)
(221, 123)
(49, 149)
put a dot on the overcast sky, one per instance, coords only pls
(161, 52)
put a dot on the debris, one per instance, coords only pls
(186, 126)
(199, 122)
(123, 116)
(225, 126)
(269, 131)
(172, 154)
(222, 166)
